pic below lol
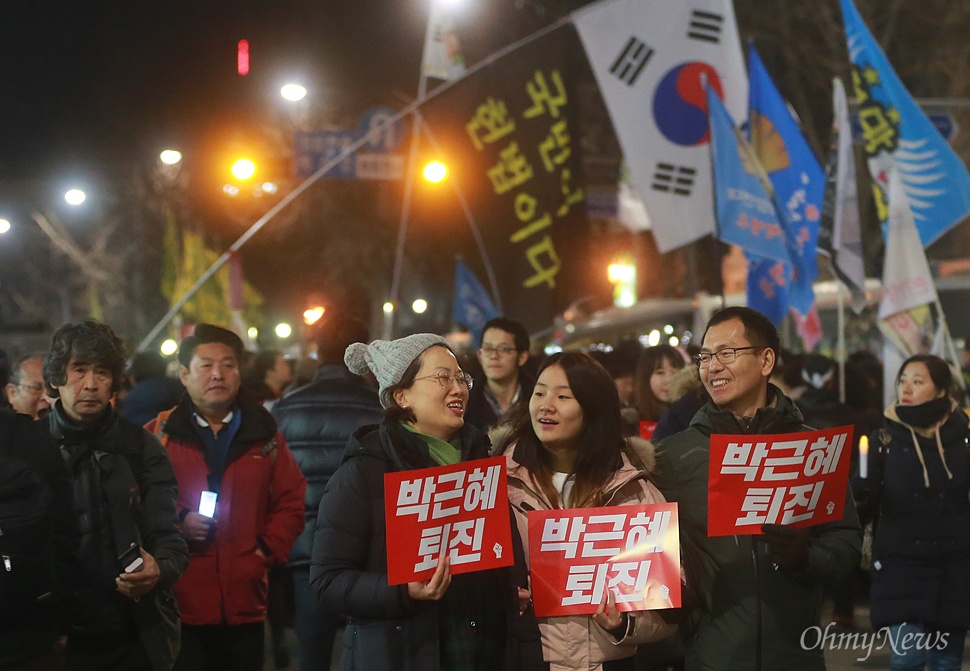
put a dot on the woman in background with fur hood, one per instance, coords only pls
(566, 451)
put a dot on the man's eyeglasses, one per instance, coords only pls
(501, 350)
(725, 356)
(446, 380)
(36, 387)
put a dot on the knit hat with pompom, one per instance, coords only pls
(388, 359)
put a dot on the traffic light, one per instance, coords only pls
(242, 58)
(435, 171)
(243, 169)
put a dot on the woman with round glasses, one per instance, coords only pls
(566, 451)
(447, 622)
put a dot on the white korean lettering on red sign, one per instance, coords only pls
(458, 510)
(798, 479)
(576, 555)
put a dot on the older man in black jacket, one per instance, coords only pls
(130, 552)
(317, 421)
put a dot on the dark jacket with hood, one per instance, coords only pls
(387, 629)
(317, 420)
(124, 492)
(744, 599)
(921, 547)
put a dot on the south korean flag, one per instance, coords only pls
(650, 58)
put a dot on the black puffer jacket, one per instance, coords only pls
(921, 549)
(387, 629)
(317, 420)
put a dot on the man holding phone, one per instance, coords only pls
(124, 494)
(226, 447)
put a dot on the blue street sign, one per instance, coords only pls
(377, 159)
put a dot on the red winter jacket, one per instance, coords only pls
(260, 505)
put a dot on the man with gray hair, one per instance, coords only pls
(129, 550)
(25, 390)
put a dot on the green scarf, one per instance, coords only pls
(444, 453)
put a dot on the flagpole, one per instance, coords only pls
(402, 226)
(952, 347)
(841, 337)
(470, 218)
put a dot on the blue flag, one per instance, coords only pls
(472, 306)
(744, 210)
(898, 134)
(768, 288)
(795, 174)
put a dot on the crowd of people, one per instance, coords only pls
(172, 517)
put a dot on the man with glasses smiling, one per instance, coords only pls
(25, 391)
(757, 595)
(503, 384)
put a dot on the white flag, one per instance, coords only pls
(650, 58)
(846, 233)
(906, 279)
(442, 52)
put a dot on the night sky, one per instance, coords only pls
(92, 89)
(85, 82)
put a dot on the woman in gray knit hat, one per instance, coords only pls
(449, 622)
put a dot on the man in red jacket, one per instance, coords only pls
(226, 447)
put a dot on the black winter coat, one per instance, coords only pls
(138, 493)
(317, 420)
(25, 634)
(745, 601)
(387, 629)
(921, 549)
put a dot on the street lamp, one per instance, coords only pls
(283, 330)
(243, 169)
(293, 92)
(4, 226)
(435, 171)
(312, 315)
(419, 306)
(170, 157)
(74, 197)
(169, 347)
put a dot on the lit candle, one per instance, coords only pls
(864, 457)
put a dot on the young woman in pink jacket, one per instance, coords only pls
(566, 451)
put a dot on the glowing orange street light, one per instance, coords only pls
(312, 316)
(243, 169)
(435, 171)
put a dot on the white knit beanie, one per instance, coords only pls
(388, 360)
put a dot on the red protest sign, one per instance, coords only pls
(798, 479)
(463, 509)
(575, 555)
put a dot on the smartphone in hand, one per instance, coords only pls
(131, 560)
(207, 504)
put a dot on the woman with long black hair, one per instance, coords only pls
(566, 451)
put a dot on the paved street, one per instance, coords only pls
(844, 659)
